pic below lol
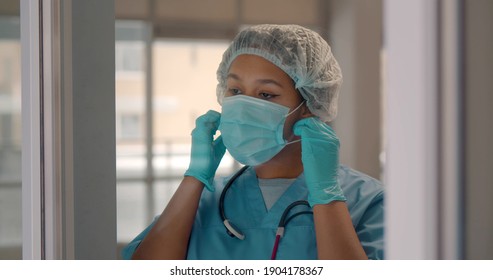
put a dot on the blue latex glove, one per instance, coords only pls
(206, 152)
(320, 157)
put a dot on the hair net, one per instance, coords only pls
(302, 53)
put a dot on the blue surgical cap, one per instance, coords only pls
(300, 52)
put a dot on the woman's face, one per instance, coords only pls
(256, 77)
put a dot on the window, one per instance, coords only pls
(10, 140)
(183, 88)
(128, 57)
(130, 126)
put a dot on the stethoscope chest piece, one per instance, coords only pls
(232, 230)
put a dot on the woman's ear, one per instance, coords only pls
(305, 111)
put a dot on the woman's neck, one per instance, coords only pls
(286, 164)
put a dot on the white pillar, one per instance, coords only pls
(31, 141)
(411, 125)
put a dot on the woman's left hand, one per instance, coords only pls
(320, 157)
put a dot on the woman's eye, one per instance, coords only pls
(265, 95)
(234, 91)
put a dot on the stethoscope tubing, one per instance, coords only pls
(283, 221)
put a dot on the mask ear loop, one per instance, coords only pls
(299, 106)
(295, 109)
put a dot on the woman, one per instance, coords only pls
(278, 86)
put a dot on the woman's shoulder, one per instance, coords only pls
(362, 191)
(353, 180)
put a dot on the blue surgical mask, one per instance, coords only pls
(252, 128)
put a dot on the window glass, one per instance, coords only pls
(128, 57)
(10, 140)
(130, 126)
(183, 88)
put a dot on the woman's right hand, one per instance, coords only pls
(206, 152)
(168, 238)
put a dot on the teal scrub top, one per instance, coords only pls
(245, 208)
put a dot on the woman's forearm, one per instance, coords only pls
(168, 239)
(336, 237)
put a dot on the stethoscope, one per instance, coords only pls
(234, 231)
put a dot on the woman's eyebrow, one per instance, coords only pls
(269, 81)
(233, 76)
(260, 81)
